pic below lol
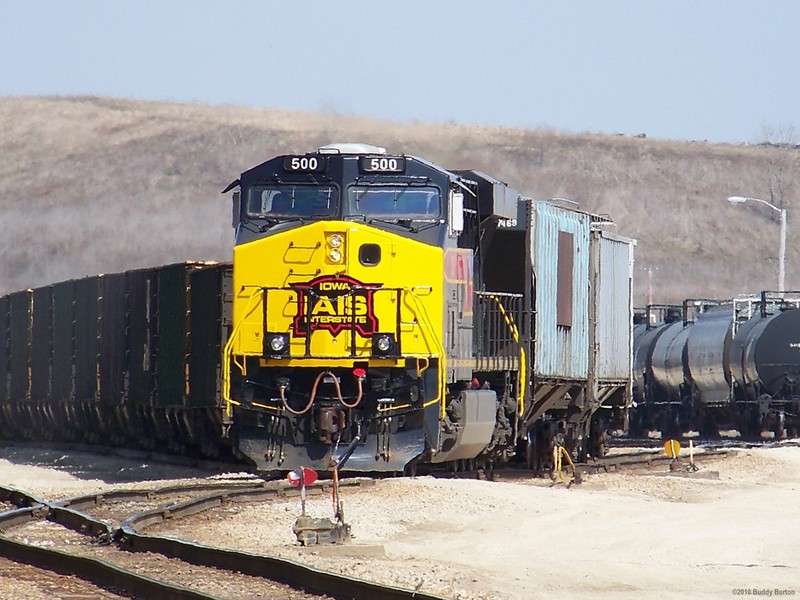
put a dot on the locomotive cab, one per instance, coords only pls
(343, 182)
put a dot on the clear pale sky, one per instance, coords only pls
(721, 70)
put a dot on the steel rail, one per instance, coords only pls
(611, 464)
(196, 505)
(277, 569)
(110, 496)
(100, 573)
(18, 497)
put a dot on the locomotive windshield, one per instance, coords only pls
(292, 201)
(394, 202)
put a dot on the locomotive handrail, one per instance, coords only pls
(442, 383)
(412, 291)
(515, 334)
(425, 329)
(228, 353)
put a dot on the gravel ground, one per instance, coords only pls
(21, 582)
(620, 535)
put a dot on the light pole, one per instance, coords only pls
(782, 252)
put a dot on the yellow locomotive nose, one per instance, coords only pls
(344, 292)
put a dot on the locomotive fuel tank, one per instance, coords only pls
(708, 355)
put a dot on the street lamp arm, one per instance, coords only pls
(740, 199)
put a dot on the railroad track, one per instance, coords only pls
(116, 553)
(638, 453)
(643, 448)
(647, 458)
(65, 538)
(639, 456)
(647, 452)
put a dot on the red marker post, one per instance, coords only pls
(301, 478)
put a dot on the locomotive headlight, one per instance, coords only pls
(276, 344)
(335, 242)
(383, 344)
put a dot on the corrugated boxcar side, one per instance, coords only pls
(612, 259)
(560, 235)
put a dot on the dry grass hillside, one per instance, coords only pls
(91, 185)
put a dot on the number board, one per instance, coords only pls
(310, 163)
(382, 164)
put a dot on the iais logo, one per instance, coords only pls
(335, 303)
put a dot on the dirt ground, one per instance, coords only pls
(621, 535)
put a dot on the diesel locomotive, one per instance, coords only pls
(715, 367)
(377, 305)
